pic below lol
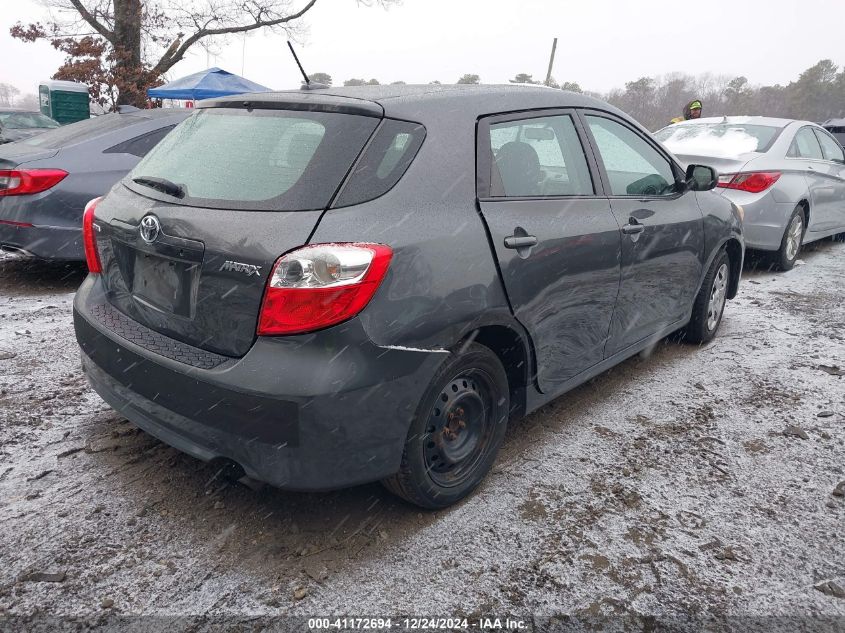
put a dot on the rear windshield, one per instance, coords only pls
(26, 120)
(260, 159)
(717, 139)
(82, 130)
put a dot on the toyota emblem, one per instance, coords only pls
(150, 229)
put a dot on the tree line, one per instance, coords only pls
(817, 94)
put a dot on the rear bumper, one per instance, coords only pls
(312, 412)
(765, 218)
(45, 242)
(47, 225)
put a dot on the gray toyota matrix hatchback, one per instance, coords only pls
(336, 286)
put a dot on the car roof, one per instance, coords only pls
(740, 120)
(419, 100)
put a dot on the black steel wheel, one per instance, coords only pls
(457, 430)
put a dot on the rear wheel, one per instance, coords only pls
(710, 303)
(456, 432)
(792, 240)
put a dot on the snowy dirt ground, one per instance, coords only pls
(689, 481)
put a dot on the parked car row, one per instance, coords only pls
(328, 287)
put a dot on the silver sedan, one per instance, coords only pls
(788, 176)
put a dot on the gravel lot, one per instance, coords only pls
(692, 481)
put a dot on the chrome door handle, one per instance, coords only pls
(633, 229)
(520, 241)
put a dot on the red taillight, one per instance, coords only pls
(752, 181)
(89, 237)
(321, 285)
(20, 182)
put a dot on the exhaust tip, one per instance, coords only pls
(231, 470)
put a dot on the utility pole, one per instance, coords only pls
(551, 63)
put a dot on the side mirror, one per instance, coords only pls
(701, 178)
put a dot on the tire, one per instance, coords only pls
(709, 306)
(790, 244)
(457, 430)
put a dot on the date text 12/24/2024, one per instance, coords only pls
(416, 624)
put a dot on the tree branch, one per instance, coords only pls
(178, 49)
(90, 19)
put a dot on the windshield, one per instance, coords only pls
(717, 139)
(261, 159)
(26, 120)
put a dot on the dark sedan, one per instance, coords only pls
(46, 180)
(338, 286)
(18, 124)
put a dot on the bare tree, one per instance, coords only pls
(143, 39)
(8, 94)
(29, 101)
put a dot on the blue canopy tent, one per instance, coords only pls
(206, 84)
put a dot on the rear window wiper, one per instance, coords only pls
(161, 184)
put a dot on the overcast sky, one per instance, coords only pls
(601, 43)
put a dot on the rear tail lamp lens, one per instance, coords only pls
(318, 286)
(21, 182)
(752, 182)
(89, 237)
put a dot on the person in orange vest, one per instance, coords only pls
(692, 110)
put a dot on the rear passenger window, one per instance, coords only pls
(538, 158)
(830, 148)
(384, 162)
(140, 145)
(805, 145)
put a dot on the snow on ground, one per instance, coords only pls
(693, 481)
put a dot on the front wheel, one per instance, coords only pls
(790, 244)
(456, 432)
(709, 305)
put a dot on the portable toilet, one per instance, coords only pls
(64, 101)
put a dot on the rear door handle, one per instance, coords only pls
(520, 241)
(633, 229)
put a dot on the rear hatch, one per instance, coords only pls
(188, 238)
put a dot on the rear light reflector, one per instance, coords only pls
(25, 225)
(752, 181)
(318, 286)
(89, 237)
(21, 182)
